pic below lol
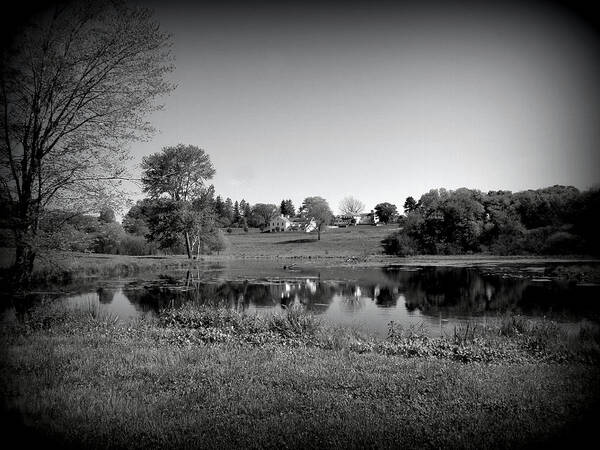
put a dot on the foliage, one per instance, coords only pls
(76, 84)
(287, 208)
(317, 208)
(553, 220)
(410, 205)
(179, 173)
(400, 244)
(137, 218)
(386, 212)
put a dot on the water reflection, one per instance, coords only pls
(437, 297)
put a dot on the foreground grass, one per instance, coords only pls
(207, 378)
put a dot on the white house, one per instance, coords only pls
(280, 223)
(301, 224)
(369, 218)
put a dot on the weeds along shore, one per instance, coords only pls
(206, 378)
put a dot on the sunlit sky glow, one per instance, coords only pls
(379, 101)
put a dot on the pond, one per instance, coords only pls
(438, 298)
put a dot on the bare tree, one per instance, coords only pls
(75, 86)
(350, 206)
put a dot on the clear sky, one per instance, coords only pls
(381, 100)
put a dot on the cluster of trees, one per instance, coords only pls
(552, 220)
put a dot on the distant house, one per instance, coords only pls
(280, 223)
(345, 221)
(302, 224)
(369, 219)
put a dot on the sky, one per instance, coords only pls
(381, 100)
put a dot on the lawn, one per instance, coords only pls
(359, 241)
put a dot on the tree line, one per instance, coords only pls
(553, 220)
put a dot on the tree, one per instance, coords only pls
(410, 205)
(264, 212)
(228, 211)
(386, 212)
(75, 86)
(237, 216)
(246, 210)
(137, 218)
(317, 208)
(179, 173)
(349, 206)
(287, 208)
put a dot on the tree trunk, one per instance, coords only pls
(318, 233)
(22, 269)
(187, 245)
(25, 250)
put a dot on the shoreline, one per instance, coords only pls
(70, 266)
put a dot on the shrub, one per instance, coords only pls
(136, 246)
(400, 244)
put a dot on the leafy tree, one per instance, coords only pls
(287, 208)
(228, 212)
(108, 238)
(247, 210)
(386, 212)
(137, 218)
(179, 173)
(75, 85)
(201, 221)
(350, 206)
(410, 205)
(318, 209)
(264, 212)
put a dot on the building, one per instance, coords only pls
(346, 221)
(302, 224)
(277, 224)
(368, 219)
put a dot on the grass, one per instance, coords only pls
(351, 242)
(216, 378)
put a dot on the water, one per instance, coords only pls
(438, 298)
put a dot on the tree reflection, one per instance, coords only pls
(448, 292)
(105, 295)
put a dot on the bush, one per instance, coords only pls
(400, 244)
(134, 245)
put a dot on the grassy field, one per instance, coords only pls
(218, 379)
(359, 242)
